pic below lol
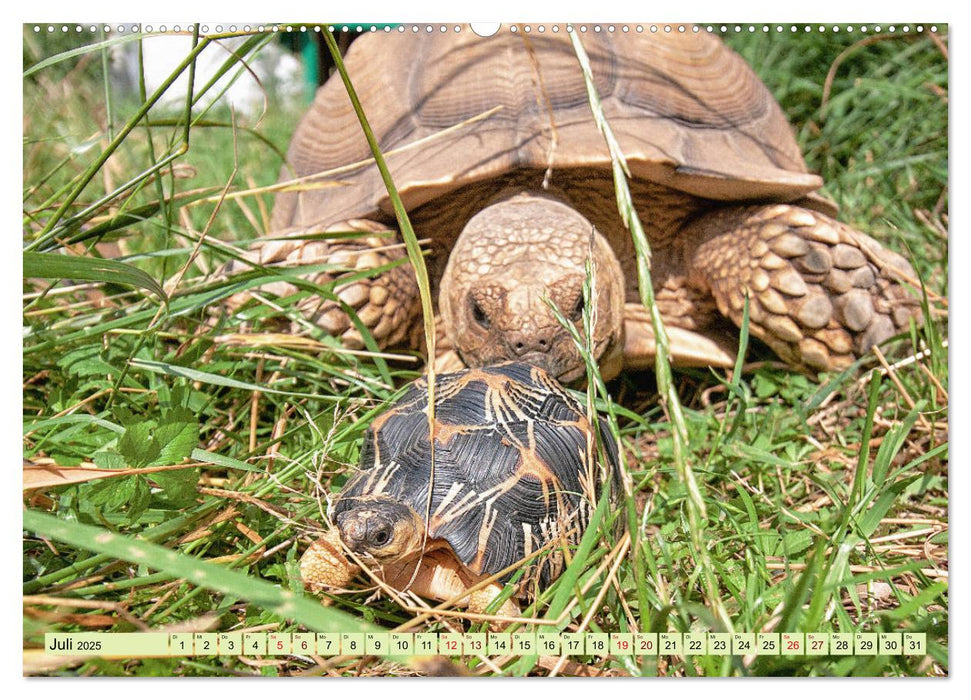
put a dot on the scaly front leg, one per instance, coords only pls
(440, 577)
(324, 565)
(387, 304)
(821, 294)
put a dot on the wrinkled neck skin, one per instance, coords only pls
(514, 258)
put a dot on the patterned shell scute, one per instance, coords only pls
(454, 109)
(511, 471)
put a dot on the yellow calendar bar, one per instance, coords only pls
(521, 643)
(124, 644)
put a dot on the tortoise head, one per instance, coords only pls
(381, 527)
(511, 260)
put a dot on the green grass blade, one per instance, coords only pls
(80, 51)
(567, 581)
(196, 375)
(666, 387)
(71, 230)
(287, 604)
(301, 609)
(50, 229)
(223, 461)
(404, 224)
(69, 267)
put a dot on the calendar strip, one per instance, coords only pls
(391, 644)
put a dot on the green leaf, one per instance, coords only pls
(795, 543)
(763, 386)
(109, 460)
(137, 446)
(82, 418)
(138, 502)
(127, 496)
(85, 362)
(222, 460)
(176, 441)
(178, 486)
(145, 444)
(57, 266)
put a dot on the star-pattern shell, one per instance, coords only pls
(515, 465)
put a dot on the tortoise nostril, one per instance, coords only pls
(521, 344)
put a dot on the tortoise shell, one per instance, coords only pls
(511, 467)
(454, 109)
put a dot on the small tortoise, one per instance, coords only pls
(514, 472)
(493, 148)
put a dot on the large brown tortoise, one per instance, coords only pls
(515, 479)
(494, 150)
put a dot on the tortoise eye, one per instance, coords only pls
(478, 314)
(380, 536)
(577, 313)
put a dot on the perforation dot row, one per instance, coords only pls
(443, 28)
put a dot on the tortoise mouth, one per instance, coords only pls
(537, 358)
(572, 375)
(563, 369)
